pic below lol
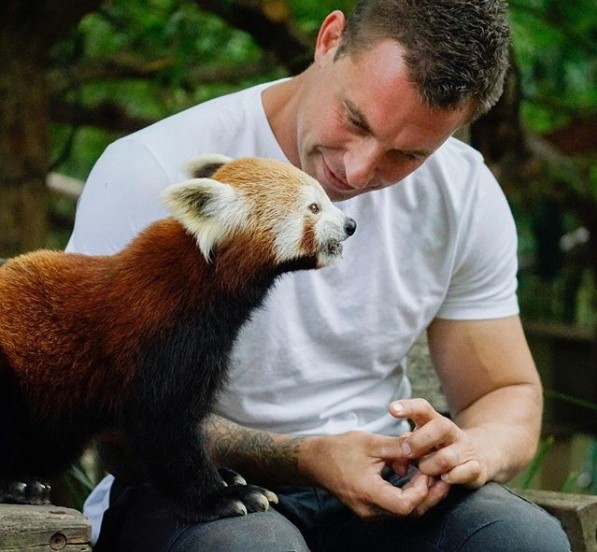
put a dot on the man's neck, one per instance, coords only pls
(280, 106)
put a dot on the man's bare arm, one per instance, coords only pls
(494, 393)
(348, 465)
(264, 458)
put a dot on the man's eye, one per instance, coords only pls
(398, 156)
(357, 124)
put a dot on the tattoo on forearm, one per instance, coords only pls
(263, 457)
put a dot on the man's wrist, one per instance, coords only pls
(308, 450)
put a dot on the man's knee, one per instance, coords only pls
(260, 532)
(141, 520)
(501, 521)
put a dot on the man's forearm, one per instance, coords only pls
(265, 458)
(507, 425)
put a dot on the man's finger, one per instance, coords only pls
(402, 502)
(467, 473)
(418, 410)
(438, 490)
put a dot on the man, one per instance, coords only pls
(318, 402)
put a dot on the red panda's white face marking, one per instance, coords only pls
(279, 207)
(321, 220)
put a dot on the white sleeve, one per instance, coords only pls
(483, 283)
(120, 198)
(96, 504)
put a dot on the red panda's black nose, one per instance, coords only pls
(350, 226)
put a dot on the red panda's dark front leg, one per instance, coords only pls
(178, 377)
(16, 484)
(208, 497)
(179, 466)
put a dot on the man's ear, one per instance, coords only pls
(208, 209)
(329, 36)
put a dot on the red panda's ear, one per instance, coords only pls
(208, 209)
(206, 165)
(196, 198)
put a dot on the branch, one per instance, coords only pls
(111, 116)
(123, 66)
(64, 185)
(271, 28)
(577, 138)
(106, 115)
(126, 66)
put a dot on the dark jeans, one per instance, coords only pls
(307, 519)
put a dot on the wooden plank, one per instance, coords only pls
(577, 514)
(43, 529)
(558, 331)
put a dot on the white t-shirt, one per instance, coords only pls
(324, 354)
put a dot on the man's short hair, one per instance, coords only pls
(455, 50)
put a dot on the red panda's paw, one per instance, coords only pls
(230, 477)
(245, 499)
(231, 501)
(27, 491)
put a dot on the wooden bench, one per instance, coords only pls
(43, 529)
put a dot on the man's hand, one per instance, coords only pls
(350, 466)
(442, 449)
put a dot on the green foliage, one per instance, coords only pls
(555, 49)
(555, 44)
(139, 55)
(582, 477)
(533, 469)
(310, 13)
(76, 486)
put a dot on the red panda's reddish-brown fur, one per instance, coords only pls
(77, 309)
(137, 343)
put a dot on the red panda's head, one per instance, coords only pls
(277, 209)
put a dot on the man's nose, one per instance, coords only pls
(361, 166)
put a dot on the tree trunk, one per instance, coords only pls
(24, 150)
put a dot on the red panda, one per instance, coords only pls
(138, 342)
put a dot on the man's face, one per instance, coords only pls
(360, 123)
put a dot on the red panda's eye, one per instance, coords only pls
(314, 208)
